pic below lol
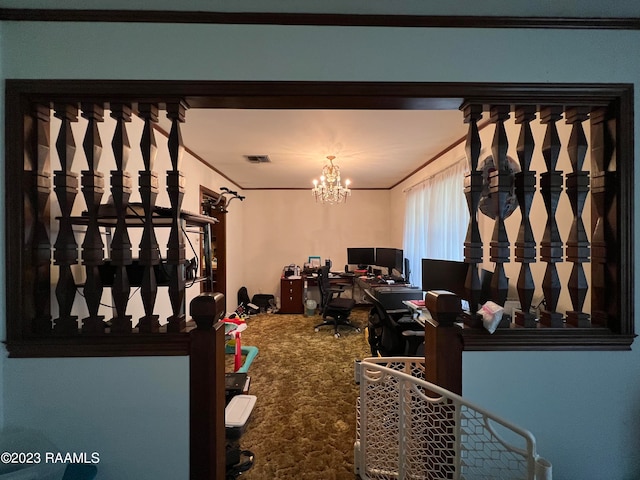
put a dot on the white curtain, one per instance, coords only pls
(436, 219)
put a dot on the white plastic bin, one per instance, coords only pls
(311, 307)
(237, 413)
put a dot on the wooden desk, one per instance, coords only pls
(292, 290)
(419, 314)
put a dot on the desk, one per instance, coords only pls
(293, 291)
(419, 314)
(391, 296)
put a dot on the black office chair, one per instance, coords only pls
(335, 309)
(393, 334)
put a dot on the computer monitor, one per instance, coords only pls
(361, 256)
(390, 258)
(444, 275)
(485, 280)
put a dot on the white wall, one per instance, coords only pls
(288, 226)
(595, 394)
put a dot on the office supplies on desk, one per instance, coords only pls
(291, 270)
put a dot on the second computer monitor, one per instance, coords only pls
(444, 275)
(362, 256)
(391, 258)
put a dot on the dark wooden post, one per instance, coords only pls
(443, 355)
(121, 244)
(472, 192)
(500, 188)
(206, 390)
(66, 249)
(443, 341)
(551, 244)
(577, 186)
(526, 242)
(443, 366)
(37, 191)
(93, 190)
(149, 255)
(604, 199)
(175, 247)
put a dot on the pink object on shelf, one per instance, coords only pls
(240, 325)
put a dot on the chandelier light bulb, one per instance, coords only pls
(330, 189)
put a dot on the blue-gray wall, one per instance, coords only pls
(583, 414)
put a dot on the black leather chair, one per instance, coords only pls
(335, 309)
(397, 334)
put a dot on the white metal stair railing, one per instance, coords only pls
(411, 429)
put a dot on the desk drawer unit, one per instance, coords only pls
(291, 295)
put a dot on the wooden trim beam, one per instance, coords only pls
(318, 19)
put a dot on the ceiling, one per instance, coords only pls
(375, 149)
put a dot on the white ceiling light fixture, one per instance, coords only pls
(329, 189)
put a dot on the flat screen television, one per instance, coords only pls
(390, 258)
(361, 256)
(444, 275)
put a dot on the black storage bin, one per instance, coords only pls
(234, 384)
(262, 301)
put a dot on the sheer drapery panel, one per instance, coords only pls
(436, 219)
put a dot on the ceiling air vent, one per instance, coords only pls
(258, 158)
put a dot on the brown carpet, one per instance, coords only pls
(303, 424)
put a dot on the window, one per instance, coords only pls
(436, 218)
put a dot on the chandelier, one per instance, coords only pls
(330, 190)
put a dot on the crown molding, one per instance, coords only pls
(316, 19)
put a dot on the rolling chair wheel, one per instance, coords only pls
(316, 329)
(358, 330)
(337, 335)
